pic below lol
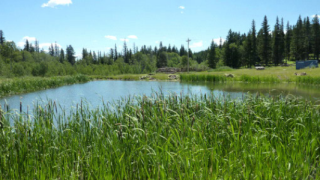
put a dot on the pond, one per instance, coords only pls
(97, 92)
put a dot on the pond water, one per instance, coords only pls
(96, 92)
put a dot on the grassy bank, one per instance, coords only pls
(29, 84)
(269, 75)
(194, 137)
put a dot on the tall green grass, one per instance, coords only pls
(308, 80)
(202, 77)
(23, 85)
(158, 137)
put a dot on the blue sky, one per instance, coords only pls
(100, 24)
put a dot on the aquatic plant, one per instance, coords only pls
(164, 137)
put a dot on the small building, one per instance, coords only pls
(306, 64)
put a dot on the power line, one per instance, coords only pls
(188, 40)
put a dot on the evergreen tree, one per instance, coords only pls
(282, 43)
(316, 36)
(266, 42)
(288, 38)
(61, 58)
(276, 54)
(70, 55)
(248, 50)
(36, 46)
(212, 56)
(115, 52)
(2, 39)
(307, 39)
(84, 53)
(183, 51)
(220, 44)
(27, 46)
(51, 50)
(253, 51)
(111, 54)
(297, 41)
(56, 50)
(125, 53)
(162, 60)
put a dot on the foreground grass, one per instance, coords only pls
(29, 84)
(190, 137)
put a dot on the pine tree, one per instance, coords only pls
(297, 41)
(212, 56)
(84, 53)
(61, 58)
(253, 51)
(51, 50)
(220, 44)
(2, 39)
(111, 54)
(276, 55)
(307, 39)
(266, 42)
(70, 55)
(316, 36)
(125, 53)
(288, 38)
(27, 46)
(162, 60)
(56, 50)
(248, 50)
(36, 46)
(115, 52)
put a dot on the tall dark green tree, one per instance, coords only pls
(266, 42)
(307, 39)
(115, 52)
(212, 56)
(70, 55)
(316, 36)
(51, 50)
(253, 51)
(61, 58)
(276, 49)
(288, 38)
(2, 39)
(297, 50)
(26, 46)
(162, 60)
(125, 53)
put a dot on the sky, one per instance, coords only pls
(100, 24)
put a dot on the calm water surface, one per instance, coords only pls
(96, 92)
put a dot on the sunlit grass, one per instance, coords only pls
(158, 137)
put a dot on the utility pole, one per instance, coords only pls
(188, 52)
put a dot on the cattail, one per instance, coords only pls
(192, 121)
(20, 107)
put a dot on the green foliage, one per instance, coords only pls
(189, 137)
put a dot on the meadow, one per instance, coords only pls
(165, 137)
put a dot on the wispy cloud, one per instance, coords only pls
(181, 7)
(196, 44)
(132, 37)
(157, 42)
(126, 40)
(53, 3)
(111, 37)
(30, 39)
(217, 41)
(316, 15)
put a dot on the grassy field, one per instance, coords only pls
(191, 137)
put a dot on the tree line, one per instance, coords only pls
(257, 47)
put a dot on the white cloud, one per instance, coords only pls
(217, 41)
(316, 15)
(132, 37)
(108, 48)
(53, 3)
(20, 44)
(30, 39)
(111, 37)
(196, 44)
(126, 40)
(157, 42)
(181, 7)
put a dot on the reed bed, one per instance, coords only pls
(23, 85)
(165, 137)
